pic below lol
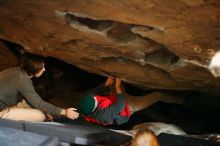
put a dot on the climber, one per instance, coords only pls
(103, 108)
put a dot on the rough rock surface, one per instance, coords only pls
(157, 44)
(7, 58)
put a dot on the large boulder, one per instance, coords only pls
(7, 58)
(156, 44)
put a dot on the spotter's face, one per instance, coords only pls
(40, 72)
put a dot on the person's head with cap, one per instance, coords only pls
(86, 105)
(214, 65)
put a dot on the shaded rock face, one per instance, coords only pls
(8, 59)
(155, 44)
